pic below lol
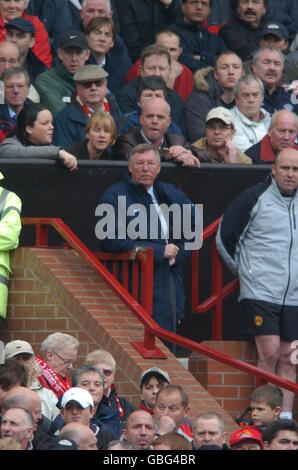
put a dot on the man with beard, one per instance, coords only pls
(267, 65)
(241, 34)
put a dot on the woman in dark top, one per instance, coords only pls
(100, 134)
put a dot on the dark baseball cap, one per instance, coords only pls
(73, 39)
(22, 25)
(277, 29)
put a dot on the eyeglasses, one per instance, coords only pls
(92, 82)
(67, 362)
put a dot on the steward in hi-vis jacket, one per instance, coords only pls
(10, 227)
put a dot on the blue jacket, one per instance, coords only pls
(285, 12)
(128, 102)
(70, 122)
(279, 99)
(197, 41)
(167, 194)
(7, 124)
(54, 14)
(118, 63)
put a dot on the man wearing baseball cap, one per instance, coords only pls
(90, 97)
(275, 35)
(247, 438)
(21, 32)
(77, 407)
(56, 86)
(24, 354)
(217, 146)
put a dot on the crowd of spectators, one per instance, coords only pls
(41, 408)
(84, 57)
(201, 81)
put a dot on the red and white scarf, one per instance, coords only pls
(50, 379)
(88, 111)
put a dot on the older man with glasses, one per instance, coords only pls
(57, 358)
(90, 97)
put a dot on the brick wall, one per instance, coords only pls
(54, 290)
(230, 387)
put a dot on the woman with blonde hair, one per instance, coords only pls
(100, 132)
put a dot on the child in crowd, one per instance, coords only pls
(265, 403)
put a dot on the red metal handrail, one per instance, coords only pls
(140, 276)
(148, 348)
(218, 292)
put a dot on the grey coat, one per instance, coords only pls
(258, 240)
(13, 148)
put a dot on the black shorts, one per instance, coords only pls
(264, 318)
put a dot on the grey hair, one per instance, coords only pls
(100, 355)
(210, 415)
(108, 2)
(247, 80)
(28, 414)
(143, 148)
(83, 370)
(58, 341)
(12, 71)
(258, 52)
(120, 445)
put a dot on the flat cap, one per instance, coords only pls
(89, 72)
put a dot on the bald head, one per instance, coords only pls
(283, 130)
(82, 435)
(155, 119)
(285, 171)
(9, 56)
(21, 397)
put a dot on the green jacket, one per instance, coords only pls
(55, 87)
(10, 228)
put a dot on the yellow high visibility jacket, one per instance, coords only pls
(10, 228)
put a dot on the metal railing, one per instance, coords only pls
(147, 348)
(218, 291)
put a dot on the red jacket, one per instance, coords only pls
(183, 83)
(41, 47)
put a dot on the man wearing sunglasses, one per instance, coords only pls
(120, 408)
(90, 97)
